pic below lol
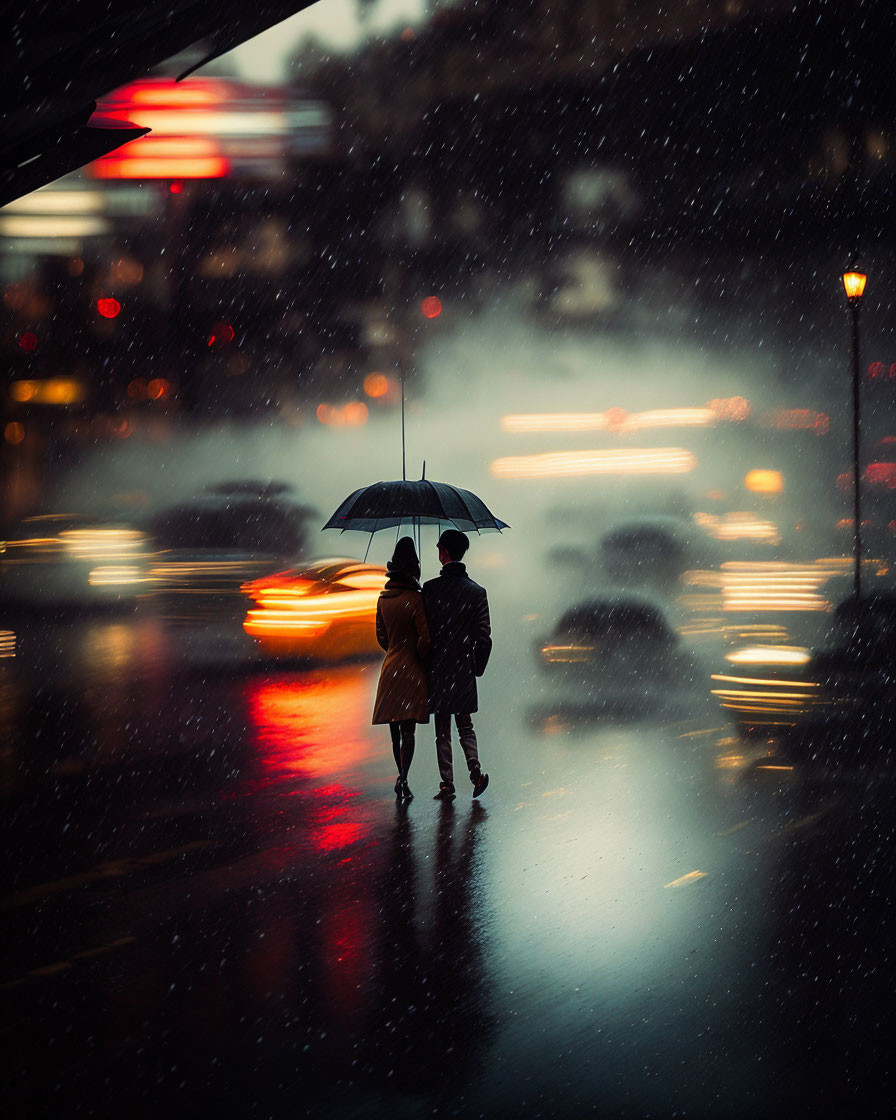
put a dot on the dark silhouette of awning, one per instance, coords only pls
(58, 59)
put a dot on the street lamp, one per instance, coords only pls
(854, 286)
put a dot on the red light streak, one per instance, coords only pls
(798, 419)
(197, 127)
(196, 94)
(164, 157)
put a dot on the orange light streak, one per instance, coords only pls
(567, 654)
(288, 621)
(765, 680)
(212, 167)
(166, 94)
(691, 877)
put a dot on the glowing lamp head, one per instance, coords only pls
(854, 285)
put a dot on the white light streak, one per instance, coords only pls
(560, 464)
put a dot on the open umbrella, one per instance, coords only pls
(387, 505)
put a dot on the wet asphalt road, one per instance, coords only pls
(213, 904)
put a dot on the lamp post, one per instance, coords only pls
(854, 285)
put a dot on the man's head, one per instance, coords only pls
(452, 545)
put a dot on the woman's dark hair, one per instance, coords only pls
(405, 561)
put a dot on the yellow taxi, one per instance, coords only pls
(325, 611)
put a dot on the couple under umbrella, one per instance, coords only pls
(437, 637)
(437, 641)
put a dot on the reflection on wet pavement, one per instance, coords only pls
(214, 903)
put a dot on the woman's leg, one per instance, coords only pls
(395, 732)
(408, 727)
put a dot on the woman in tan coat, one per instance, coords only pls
(401, 629)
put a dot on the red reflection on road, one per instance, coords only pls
(348, 955)
(313, 736)
(315, 724)
(331, 837)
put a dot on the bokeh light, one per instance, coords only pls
(351, 415)
(158, 388)
(730, 408)
(222, 335)
(764, 481)
(108, 307)
(376, 385)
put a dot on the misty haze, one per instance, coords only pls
(622, 273)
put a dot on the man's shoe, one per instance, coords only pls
(406, 794)
(446, 792)
(480, 782)
(398, 786)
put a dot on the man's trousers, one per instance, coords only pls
(467, 738)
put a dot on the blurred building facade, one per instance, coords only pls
(285, 267)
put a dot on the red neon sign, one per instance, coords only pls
(181, 144)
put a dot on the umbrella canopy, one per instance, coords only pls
(386, 505)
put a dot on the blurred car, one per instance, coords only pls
(207, 549)
(648, 550)
(193, 585)
(63, 561)
(765, 687)
(854, 675)
(613, 652)
(254, 517)
(325, 610)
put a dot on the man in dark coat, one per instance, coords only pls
(460, 632)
